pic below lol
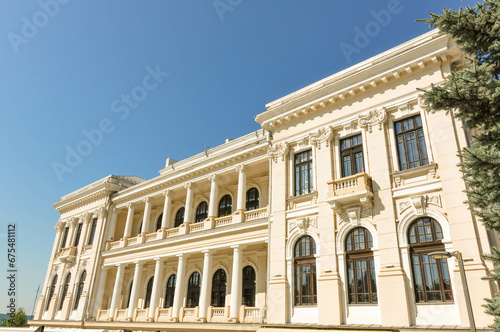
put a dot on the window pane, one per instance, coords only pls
(346, 160)
(359, 162)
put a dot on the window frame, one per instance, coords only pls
(252, 203)
(248, 284)
(168, 300)
(304, 261)
(52, 290)
(297, 181)
(65, 289)
(351, 151)
(65, 237)
(79, 289)
(78, 234)
(420, 250)
(93, 228)
(193, 290)
(149, 293)
(201, 216)
(361, 254)
(179, 219)
(419, 148)
(219, 289)
(158, 222)
(227, 209)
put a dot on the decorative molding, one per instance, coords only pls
(213, 178)
(280, 149)
(354, 215)
(419, 203)
(167, 193)
(374, 117)
(421, 102)
(434, 199)
(404, 205)
(337, 207)
(302, 224)
(322, 135)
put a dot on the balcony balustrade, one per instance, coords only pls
(218, 315)
(68, 254)
(163, 314)
(352, 189)
(102, 315)
(189, 314)
(121, 315)
(187, 228)
(140, 315)
(250, 314)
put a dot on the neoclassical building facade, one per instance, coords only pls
(324, 218)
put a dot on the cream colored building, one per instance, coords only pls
(324, 217)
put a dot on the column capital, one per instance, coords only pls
(138, 263)
(236, 246)
(85, 217)
(182, 255)
(122, 265)
(59, 226)
(147, 199)
(241, 168)
(116, 209)
(72, 222)
(208, 251)
(167, 193)
(213, 177)
(159, 259)
(130, 205)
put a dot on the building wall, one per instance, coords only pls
(369, 100)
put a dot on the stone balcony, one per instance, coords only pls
(68, 254)
(183, 229)
(350, 190)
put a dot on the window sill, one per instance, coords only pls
(304, 197)
(435, 303)
(363, 305)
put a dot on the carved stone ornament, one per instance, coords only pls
(322, 135)
(419, 204)
(278, 150)
(336, 207)
(421, 102)
(374, 117)
(434, 199)
(241, 168)
(404, 205)
(213, 178)
(354, 215)
(302, 224)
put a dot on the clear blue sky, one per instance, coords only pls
(65, 73)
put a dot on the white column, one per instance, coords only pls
(236, 283)
(242, 183)
(189, 202)
(155, 296)
(59, 227)
(135, 289)
(112, 225)
(147, 215)
(179, 287)
(117, 290)
(212, 207)
(130, 220)
(205, 285)
(167, 209)
(100, 291)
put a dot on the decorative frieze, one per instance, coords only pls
(373, 118)
(302, 224)
(419, 203)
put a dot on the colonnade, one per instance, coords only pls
(180, 287)
(188, 214)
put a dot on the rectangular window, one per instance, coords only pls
(303, 173)
(65, 237)
(351, 155)
(78, 232)
(92, 231)
(410, 143)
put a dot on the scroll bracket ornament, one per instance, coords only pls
(373, 118)
(279, 150)
(322, 135)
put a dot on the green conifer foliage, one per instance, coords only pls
(472, 93)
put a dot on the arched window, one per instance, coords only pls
(193, 293)
(179, 217)
(149, 291)
(219, 289)
(65, 290)
(52, 289)
(248, 287)
(361, 281)
(225, 206)
(158, 222)
(201, 212)
(305, 271)
(431, 278)
(79, 289)
(169, 294)
(252, 199)
(130, 293)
